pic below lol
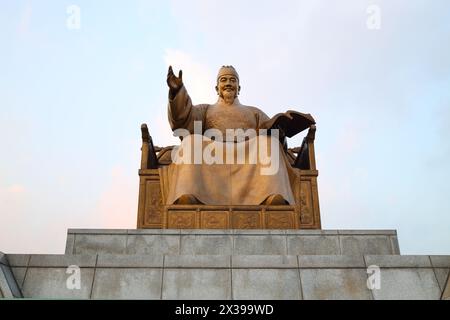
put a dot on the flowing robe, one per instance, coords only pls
(247, 180)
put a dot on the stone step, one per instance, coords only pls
(8, 285)
(232, 242)
(112, 276)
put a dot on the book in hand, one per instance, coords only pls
(291, 122)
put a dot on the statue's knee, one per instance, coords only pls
(187, 199)
(275, 200)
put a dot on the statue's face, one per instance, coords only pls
(228, 86)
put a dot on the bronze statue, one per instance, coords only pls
(225, 183)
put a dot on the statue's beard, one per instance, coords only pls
(228, 96)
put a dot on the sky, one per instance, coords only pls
(79, 77)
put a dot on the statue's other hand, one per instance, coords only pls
(174, 82)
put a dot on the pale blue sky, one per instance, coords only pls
(72, 101)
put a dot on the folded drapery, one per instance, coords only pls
(228, 173)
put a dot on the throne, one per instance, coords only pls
(153, 212)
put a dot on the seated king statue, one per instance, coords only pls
(230, 153)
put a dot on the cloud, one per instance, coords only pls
(15, 188)
(117, 205)
(197, 77)
(25, 226)
(163, 136)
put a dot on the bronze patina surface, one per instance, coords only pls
(225, 195)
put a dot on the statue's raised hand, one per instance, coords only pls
(175, 83)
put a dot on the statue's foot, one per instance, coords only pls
(275, 200)
(187, 199)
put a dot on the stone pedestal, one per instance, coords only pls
(232, 242)
(226, 264)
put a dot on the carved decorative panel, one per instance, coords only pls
(214, 220)
(306, 208)
(246, 220)
(181, 219)
(153, 203)
(280, 220)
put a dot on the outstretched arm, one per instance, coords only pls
(181, 112)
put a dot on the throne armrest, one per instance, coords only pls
(148, 156)
(306, 159)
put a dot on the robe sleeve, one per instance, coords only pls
(260, 117)
(182, 113)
